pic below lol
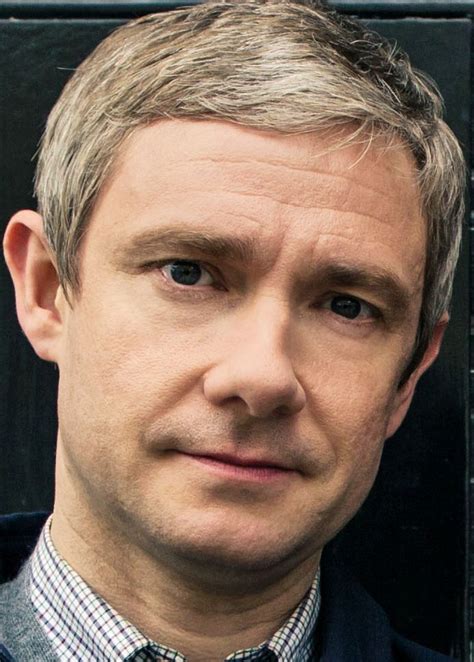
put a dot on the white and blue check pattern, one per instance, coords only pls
(82, 627)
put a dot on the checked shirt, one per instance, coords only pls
(82, 627)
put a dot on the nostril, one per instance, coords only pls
(282, 411)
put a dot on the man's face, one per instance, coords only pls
(230, 369)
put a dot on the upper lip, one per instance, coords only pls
(241, 461)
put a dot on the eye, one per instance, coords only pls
(350, 307)
(186, 272)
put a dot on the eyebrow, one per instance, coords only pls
(145, 246)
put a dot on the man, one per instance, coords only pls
(249, 217)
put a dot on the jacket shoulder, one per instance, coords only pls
(352, 627)
(409, 651)
(19, 533)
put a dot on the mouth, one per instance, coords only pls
(236, 467)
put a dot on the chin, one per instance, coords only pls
(225, 556)
(225, 568)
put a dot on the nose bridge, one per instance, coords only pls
(256, 367)
(266, 330)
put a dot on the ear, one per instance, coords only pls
(405, 393)
(37, 289)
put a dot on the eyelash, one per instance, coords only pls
(188, 290)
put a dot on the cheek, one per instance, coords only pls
(123, 368)
(349, 405)
(350, 427)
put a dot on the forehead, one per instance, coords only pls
(204, 147)
(269, 187)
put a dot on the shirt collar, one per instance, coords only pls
(82, 625)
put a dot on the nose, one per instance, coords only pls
(254, 369)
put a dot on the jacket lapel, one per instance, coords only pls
(351, 626)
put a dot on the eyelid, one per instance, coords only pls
(157, 264)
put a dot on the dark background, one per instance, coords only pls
(409, 543)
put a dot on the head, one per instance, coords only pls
(238, 138)
(291, 67)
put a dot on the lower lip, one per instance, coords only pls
(249, 473)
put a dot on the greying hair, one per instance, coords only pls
(291, 66)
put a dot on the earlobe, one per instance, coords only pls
(407, 390)
(36, 282)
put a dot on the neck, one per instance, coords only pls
(201, 618)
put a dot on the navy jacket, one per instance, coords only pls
(352, 627)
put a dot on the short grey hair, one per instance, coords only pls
(291, 66)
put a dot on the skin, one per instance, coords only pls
(252, 362)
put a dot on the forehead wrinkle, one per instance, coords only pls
(311, 170)
(350, 233)
(299, 205)
(225, 209)
(321, 193)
